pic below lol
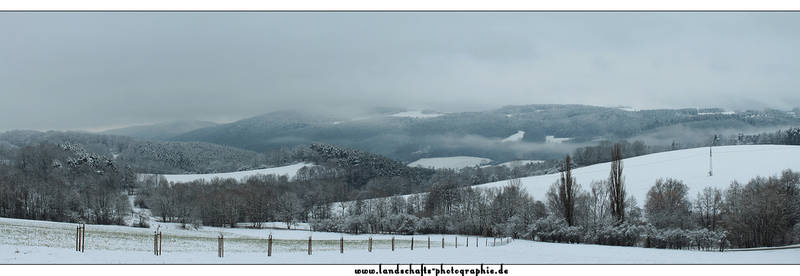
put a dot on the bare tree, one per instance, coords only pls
(667, 204)
(709, 206)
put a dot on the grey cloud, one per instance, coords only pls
(88, 70)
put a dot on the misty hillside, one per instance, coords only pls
(142, 155)
(547, 131)
(160, 131)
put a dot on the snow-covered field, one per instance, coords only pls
(290, 171)
(453, 162)
(25, 241)
(740, 163)
(30, 241)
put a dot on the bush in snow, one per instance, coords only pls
(554, 229)
(513, 227)
(624, 234)
(402, 223)
(675, 238)
(796, 233)
(425, 226)
(335, 224)
(356, 224)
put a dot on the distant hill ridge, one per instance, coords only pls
(409, 138)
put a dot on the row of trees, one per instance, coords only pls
(227, 202)
(63, 183)
(764, 212)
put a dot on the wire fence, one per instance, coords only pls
(271, 245)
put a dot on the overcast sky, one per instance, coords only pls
(99, 70)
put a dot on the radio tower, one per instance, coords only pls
(710, 159)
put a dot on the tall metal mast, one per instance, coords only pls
(710, 157)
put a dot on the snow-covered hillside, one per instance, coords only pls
(740, 163)
(290, 171)
(519, 163)
(453, 162)
(416, 114)
(26, 241)
(516, 137)
(555, 140)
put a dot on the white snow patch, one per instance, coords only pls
(516, 137)
(454, 162)
(520, 163)
(555, 140)
(740, 163)
(290, 171)
(716, 113)
(628, 108)
(416, 114)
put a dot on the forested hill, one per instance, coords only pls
(408, 136)
(143, 156)
(362, 168)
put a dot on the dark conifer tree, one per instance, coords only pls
(616, 186)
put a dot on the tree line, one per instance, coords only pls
(63, 183)
(764, 212)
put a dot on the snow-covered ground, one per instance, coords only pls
(519, 163)
(453, 162)
(716, 113)
(628, 108)
(416, 114)
(516, 252)
(516, 137)
(25, 241)
(290, 171)
(740, 163)
(549, 139)
(30, 241)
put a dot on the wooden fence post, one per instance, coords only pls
(160, 238)
(83, 238)
(309, 245)
(429, 242)
(220, 246)
(487, 242)
(456, 241)
(467, 241)
(155, 244)
(369, 245)
(392, 243)
(442, 242)
(476, 241)
(77, 238)
(341, 245)
(494, 243)
(412, 242)
(269, 246)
